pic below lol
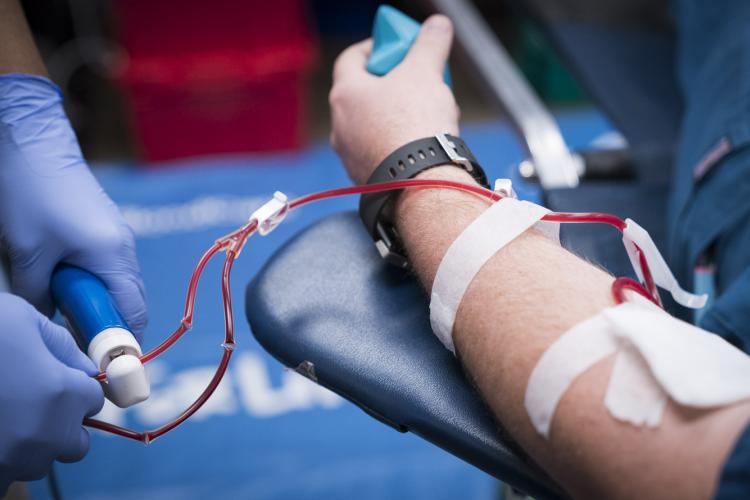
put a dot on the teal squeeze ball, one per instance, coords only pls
(392, 35)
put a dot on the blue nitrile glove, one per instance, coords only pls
(45, 393)
(52, 209)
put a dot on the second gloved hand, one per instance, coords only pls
(47, 390)
(52, 209)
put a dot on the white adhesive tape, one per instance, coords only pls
(500, 224)
(572, 354)
(657, 357)
(696, 368)
(632, 235)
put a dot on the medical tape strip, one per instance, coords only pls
(497, 226)
(576, 351)
(657, 357)
(632, 235)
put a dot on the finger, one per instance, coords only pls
(129, 295)
(87, 397)
(90, 394)
(77, 449)
(432, 47)
(117, 266)
(353, 61)
(60, 343)
(35, 468)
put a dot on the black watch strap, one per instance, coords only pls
(405, 163)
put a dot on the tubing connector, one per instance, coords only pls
(272, 213)
(504, 187)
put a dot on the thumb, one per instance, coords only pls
(60, 343)
(433, 45)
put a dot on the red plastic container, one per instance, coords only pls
(225, 76)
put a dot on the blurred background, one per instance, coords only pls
(192, 113)
(148, 79)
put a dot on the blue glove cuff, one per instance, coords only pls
(33, 124)
(23, 96)
(15, 85)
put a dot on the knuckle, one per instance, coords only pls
(25, 253)
(335, 96)
(55, 393)
(25, 246)
(111, 239)
(343, 94)
(340, 61)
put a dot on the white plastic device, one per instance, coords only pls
(116, 352)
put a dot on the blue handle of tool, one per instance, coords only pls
(85, 302)
(393, 33)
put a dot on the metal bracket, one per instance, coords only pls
(539, 133)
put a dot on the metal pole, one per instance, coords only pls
(554, 164)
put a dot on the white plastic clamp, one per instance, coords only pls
(272, 213)
(504, 187)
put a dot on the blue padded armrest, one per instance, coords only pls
(327, 306)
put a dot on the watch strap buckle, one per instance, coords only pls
(450, 149)
(405, 163)
(388, 247)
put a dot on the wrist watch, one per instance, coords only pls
(405, 163)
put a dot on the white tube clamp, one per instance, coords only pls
(272, 213)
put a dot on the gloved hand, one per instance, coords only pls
(52, 209)
(46, 392)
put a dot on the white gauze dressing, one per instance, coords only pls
(657, 357)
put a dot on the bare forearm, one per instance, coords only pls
(523, 299)
(18, 53)
(430, 220)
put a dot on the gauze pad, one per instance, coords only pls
(657, 357)
(500, 224)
